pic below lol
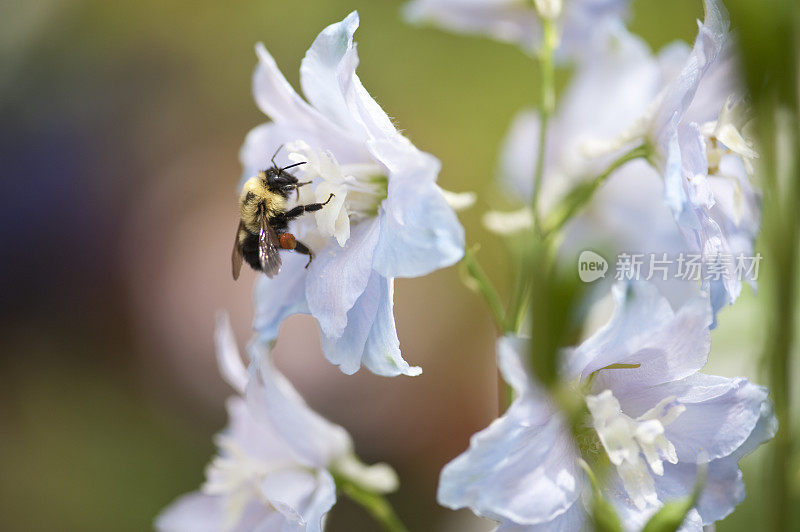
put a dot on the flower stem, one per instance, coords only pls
(781, 238)
(547, 105)
(580, 195)
(375, 504)
(519, 299)
(480, 282)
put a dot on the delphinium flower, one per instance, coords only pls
(685, 113)
(387, 217)
(519, 21)
(651, 416)
(697, 127)
(276, 458)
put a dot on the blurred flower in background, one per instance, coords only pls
(518, 21)
(276, 460)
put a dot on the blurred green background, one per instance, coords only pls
(121, 123)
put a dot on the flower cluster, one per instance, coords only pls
(667, 136)
(276, 459)
(651, 154)
(655, 417)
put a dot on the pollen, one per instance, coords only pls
(288, 241)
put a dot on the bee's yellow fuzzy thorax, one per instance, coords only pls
(254, 193)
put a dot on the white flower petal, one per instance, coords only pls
(504, 20)
(720, 414)
(573, 520)
(382, 349)
(325, 65)
(338, 276)
(229, 359)
(514, 471)
(419, 231)
(272, 400)
(379, 478)
(302, 497)
(508, 222)
(280, 297)
(459, 201)
(277, 99)
(639, 309)
(513, 354)
(370, 337)
(670, 350)
(678, 95)
(193, 512)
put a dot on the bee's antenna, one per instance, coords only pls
(293, 165)
(276, 154)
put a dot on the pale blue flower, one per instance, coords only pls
(516, 21)
(388, 217)
(687, 105)
(272, 472)
(610, 90)
(697, 126)
(656, 422)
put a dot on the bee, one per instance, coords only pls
(264, 220)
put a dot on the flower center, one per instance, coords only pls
(729, 135)
(237, 477)
(358, 189)
(633, 445)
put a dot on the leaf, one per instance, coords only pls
(604, 516)
(670, 517)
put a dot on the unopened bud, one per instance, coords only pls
(549, 9)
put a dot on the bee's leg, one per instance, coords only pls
(286, 189)
(302, 248)
(311, 207)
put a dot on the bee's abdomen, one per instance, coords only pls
(248, 243)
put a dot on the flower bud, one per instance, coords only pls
(548, 9)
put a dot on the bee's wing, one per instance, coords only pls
(268, 246)
(236, 255)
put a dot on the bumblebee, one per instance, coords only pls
(264, 220)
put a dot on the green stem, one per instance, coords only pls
(781, 237)
(519, 300)
(547, 106)
(580, 196)
(375, 504)
(485, 287)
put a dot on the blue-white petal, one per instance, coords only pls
(338, 277)
(721, 413)
(278, 298)
(420, 232)
(644, 331)
(573, 520)
(370, 338)
(272, 400)
(328, 64)
(277, 99)
(519, 469)
(303, 498)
